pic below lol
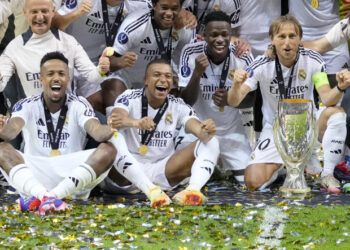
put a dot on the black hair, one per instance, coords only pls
(158, 61)
(217, 16)
(154, 2)
(52, 56)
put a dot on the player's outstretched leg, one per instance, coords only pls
(333, 142)
(206, 155)
(130, 168)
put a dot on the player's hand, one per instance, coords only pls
(84, 7)
(240, 76)
(115, 120)
(243, 47)
(201, 64)
(220, 97)
(146, 123)
(185, 19)
(343, 79)
(208, 130)
(269, 52)
(3, 120)
(104, 63)
(128, 60)
(199, 38)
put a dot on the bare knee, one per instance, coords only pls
(102, 158)
(9, 157)
(256, 175)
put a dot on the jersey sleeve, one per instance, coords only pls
(123, 101)
(186, 112)
(130, 32)
(233, 10)
(68, 7)
(84, 111)
(7, 66)
(185, 66)
(22, 110)
(339, 34)
(253, 70)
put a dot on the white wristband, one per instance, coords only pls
(339, 34)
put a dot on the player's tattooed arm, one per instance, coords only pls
(120, 119)
(98, 131)
(190, 93)
(120, 62)
(9, 129)
(239, 90)
(63, 21)
(203, 131)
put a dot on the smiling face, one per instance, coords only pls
(165, 12)
(54, 76)
(286, 40)
(158, 82)
(217, 34)
(39, 14)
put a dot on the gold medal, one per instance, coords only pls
(55, 152)
(110, 51)
(314, 4)
(221, 108)
(143, 149)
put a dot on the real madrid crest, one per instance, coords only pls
(216, 7)
(175, 35)
(231, 74)
(66, 122)
(302, 75)
(169, 119)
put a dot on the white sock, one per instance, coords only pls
(126, 164)
(333, 142)
(203, 167)
(79, 178)
(24, 181)
(109, 110)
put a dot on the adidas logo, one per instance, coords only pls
(40, 122)
(96, 14)
(345, 66)
(204, 75)
(208, 169)
(75, 181)
(338, 151)
(147, 40)
(126, 165)
(248, 124)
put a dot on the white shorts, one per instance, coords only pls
(50, 171)
(234, 149)
(155, 172)
(266, 152)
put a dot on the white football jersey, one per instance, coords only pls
(209, 83)
(35, 133)
(88, 29)
(136, 34)
(24, 53)
(256, 18)
(231, 8)
(262, 70)
(316, 22)
(162, 143)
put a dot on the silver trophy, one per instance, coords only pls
(295, 134)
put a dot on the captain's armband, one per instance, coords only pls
(320, 79)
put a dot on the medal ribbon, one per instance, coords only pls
(284, 93)
(165, 53)
(111, 33)
(146, 134)
(54, 135)
(195, 13)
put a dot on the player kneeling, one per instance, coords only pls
(148, 119)
(54, 126)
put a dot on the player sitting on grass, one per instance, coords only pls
(54, 126)
(148, 118)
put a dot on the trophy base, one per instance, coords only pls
(295, 194)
